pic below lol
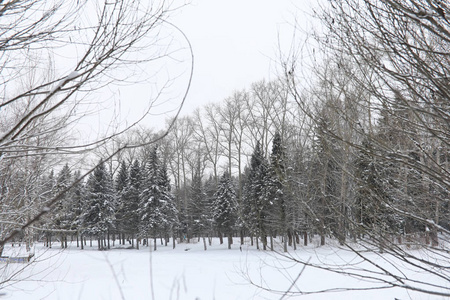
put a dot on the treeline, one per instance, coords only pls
(137, 203)
(256, 165)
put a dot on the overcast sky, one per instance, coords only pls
(235, 43)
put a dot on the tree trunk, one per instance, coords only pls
(220, 237)
(230, 240)
(271, 243)
(173, 242)
(289, 233)
(293, 241)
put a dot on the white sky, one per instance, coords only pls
(235, 43)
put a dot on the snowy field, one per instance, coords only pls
(188, 272)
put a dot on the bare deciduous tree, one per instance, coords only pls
(54, 57)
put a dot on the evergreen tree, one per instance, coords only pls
(224, 207)
(130, 205)
(99, 215)
(372, 200)
(276, 188)
(255, 201)
(150, 204)
(78, 195)
(325, 176)
(47, 192)
(64, 205)
(121, 187)
(199, 210)
(169, 211)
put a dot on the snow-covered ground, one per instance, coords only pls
(187, 272)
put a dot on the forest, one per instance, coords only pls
(352, 145)
(254, 165)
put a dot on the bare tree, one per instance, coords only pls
(395, 56)
(87, 46)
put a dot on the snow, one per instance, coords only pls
(167, 273)
(71, 76)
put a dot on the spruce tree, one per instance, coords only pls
(78, 195)
(130, 205)
(199, 210)
(224, 207)
(99, 215)
(372, 198)
(121, 187)
(276, 189)
(64, 205)
(150, 204)
(169, 212)
(255, 201)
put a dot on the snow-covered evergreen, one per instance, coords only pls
(199, 208)
(99, 215)
(224, 206)
(256, 204)
(130, 203)
(121, 186)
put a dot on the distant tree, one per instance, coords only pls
(224, 207)
(170, 222)
(324, 179)
(74, 214)
(373, 198)
(63, 206)
(276, 189)
(130, 205)
(199, 208)
(255, 204)
(121, 187)
(99, 215)
(150, 205)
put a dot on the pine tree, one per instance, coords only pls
(224, 207)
